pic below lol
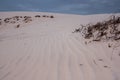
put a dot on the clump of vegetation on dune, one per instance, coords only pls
(0, 21)
(106, 30)
(18, 20)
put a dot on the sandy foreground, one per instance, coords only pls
(44, 48)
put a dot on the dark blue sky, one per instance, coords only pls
(62, 6)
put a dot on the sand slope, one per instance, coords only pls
(46, 49)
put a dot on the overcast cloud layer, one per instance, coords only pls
(62, 6)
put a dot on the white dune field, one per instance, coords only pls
(46, 49)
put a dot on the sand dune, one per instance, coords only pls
(46, 49)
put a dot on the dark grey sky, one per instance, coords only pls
(62, 6)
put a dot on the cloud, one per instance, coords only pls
(27, 7)
(89, 7)
(72, 8)
(62, 6)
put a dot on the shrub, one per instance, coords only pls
(106, 30)
(51, 16)
(37, 16)
(18, 26)
(44, 15)
(0, 23)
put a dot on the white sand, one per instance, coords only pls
(46, 49)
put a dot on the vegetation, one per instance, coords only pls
(106, 30)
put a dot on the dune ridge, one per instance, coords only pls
(46, 49)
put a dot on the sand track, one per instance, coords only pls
(52, 52)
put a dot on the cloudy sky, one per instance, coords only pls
(62, 6)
